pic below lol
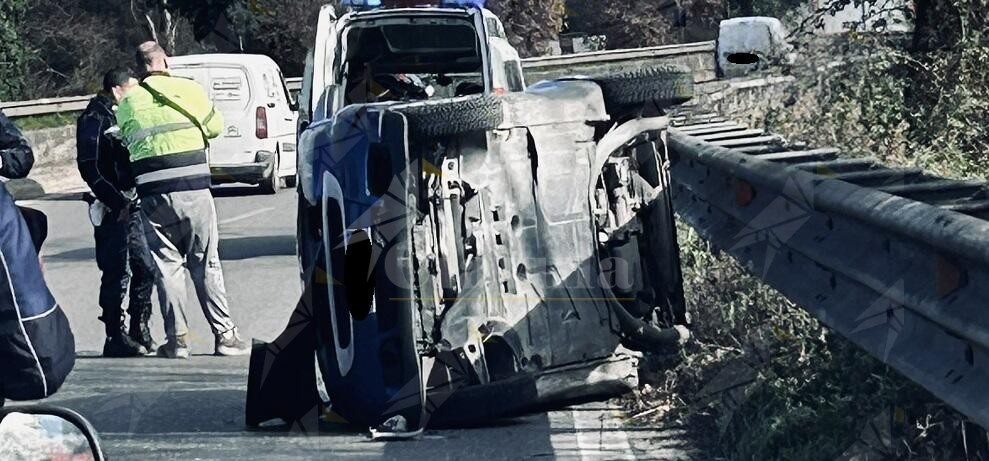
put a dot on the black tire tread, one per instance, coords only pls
(453, 116)
(665, 86)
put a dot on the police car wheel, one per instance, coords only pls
(453, 116)
(663, 86)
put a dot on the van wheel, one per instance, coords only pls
(269, 185)
(664, 86)
(453, 116)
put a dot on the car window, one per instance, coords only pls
(288, 96)
(198, 74)
(272, 87)
(514, 77)
(494, 28)
(229, 89)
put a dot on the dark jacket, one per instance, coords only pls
(16, 157)
(37, 349)
(103, 160)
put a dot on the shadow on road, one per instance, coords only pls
(231, 249)
(236, 191)
(240, 248)
(163, 411)
(78, 254)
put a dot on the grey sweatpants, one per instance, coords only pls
(183, 233)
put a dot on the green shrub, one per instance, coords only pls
(39, 122)
(812, 392)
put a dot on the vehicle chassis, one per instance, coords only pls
(482, 274)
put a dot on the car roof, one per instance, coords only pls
(244, 60)
(418, 11)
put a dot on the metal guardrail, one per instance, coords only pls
(78, 103)
(574, 63)
(612, 56)
(45, 106)
(895, 260)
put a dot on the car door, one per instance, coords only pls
(282, 118)
(233, 95)
(319, 66)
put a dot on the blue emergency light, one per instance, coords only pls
(373, 4)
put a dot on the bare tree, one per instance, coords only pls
(282, 29)
(71, 46)
(159, 18)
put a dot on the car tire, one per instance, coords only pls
(453, 116)
(269, 185)
(663, 86)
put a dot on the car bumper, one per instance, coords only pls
(250, 173)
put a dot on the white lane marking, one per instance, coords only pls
(599, 435)
(246, 216)
(562, 438)
(589, 433)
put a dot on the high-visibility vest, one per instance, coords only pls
(167, 148)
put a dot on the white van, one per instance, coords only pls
(257, 145)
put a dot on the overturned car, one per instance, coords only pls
(472, 248)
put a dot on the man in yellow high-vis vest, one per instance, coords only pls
(166, 123)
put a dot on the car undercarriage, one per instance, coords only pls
(476, 257)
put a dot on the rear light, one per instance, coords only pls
(500, 91)
(262, 123)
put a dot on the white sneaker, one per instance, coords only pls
(174, 348)
(395, 428)
(229, 344)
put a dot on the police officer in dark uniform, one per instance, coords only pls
(37, 349)
(119, 225)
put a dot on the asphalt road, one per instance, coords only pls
(193, 409)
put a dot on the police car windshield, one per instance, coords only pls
(401, 45)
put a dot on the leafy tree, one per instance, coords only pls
(530, 24)
(282, 29)
(13, 53)
(637, 23)
(71, 45)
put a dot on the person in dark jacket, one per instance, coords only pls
(119, 225)
(17, 157)
(37, 348)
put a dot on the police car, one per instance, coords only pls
(472, 247)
